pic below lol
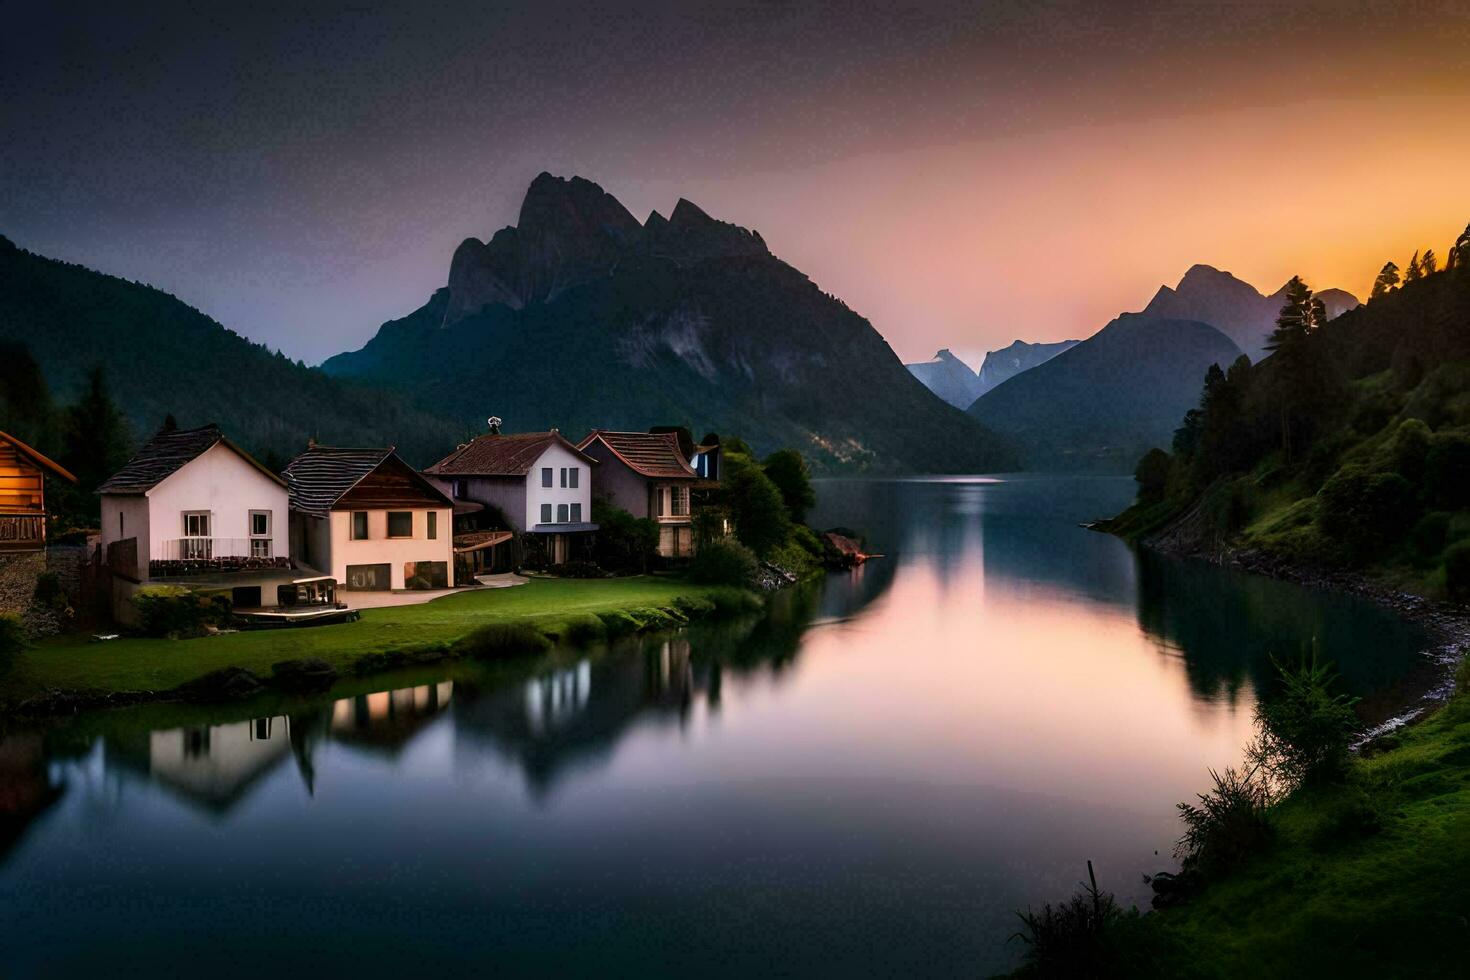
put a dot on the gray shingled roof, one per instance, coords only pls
(165, 454)
(321, 475)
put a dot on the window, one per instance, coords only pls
(260, 534)
(546, 476)
(400, 523)
(196, 543)
(359, 525)
(562, 514)
(433, 524)
(545, 513)
(576, 513)
(119, 524)
(681, 501)
(262, 730)
(572, 474)
(196, 524)
(563, 476)
(260, 547)
(461, 488)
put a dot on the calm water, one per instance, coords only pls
(869, 780)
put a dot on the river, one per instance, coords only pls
(867, 781)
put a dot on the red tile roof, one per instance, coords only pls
(652, 454)
(501, 455)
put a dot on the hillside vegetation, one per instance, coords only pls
(1348, 447)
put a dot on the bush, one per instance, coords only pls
(12, 638)
(1366, 512)
(1457, 571)
(172, 610)
(1355, 816)
(496, 640)
(1229, 824)
(795, 559)
(806, 539)
(623, 543)
(578, 569)
(1304, 731)
(1070, 939)
(1408, 449)
(1447, 471)
(726, 562)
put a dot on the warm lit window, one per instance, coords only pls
(359, 525)
(546, 476)
(562, 513)
(681, 501)
(545, 513)
(400, 523)
(433, 525)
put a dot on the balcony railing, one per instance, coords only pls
(190, 555)
(20, 532)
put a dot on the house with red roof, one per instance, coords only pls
(539, 481)
(646, 474)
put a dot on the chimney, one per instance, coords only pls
(494, 423)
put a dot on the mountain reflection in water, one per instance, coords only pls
(868, 778)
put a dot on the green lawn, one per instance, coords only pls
(143, 664)
(1337, 896)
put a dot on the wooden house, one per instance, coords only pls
(23, 472)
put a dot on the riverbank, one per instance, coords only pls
(67, 674)
(1365, 878)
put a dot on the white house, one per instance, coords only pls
(539, 481)
(369, 520)
(191, 502)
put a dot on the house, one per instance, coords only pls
(192, 503)
(23, 473)
(646, 474)
(538, 482)
(369, 520)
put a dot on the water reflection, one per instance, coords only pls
(870, 777)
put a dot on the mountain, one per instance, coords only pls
(1006, 363)
(580, 317)
(1232, 306)
(948, 377)
(162, 356)
(1110, 397)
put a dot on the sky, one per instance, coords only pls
(962, 174)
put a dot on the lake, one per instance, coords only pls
(868, 780)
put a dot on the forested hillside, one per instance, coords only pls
(1348, 446)
(160, 356)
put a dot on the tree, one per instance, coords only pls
(1460, 254)
(1388, 278)
(756, 507)
(1413, 273)
(94, 435)
(1430, 262)
(26, 411)
(1152, 476)
(1303, 376)
(788, 470)
(1302, 314)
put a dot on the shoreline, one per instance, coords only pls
(1447, 626)
(228, 682)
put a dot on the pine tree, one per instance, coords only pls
(1413, 273)
(1388, 278)
(94, 435)
(1430, 262)
(1297, 378)
(1302, 314)
(1461, 252)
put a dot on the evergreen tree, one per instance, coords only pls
(1413, 273)
(1302, 314)
(1388, 278)
(26, 410)
(94, 436)
(1303, 376)
(1430, 262)
(1460, 254)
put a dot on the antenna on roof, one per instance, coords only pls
(494, 423)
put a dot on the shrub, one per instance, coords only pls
(1229, 824)
(1366, 512)
(1408, 449)
(577, 569)
(1070, 939)
(1457, 570)
(726, 562)
(1304, 731)
(793, 558)
(623, 543)
(1447, 471)
(585, 629)
(806, 539)
(12, 638)
(502, 640)
(172, 610)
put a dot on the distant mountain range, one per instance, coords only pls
(162, 356)
(952, 380)
(581, 316)
(1109, 398)
(1232, 306)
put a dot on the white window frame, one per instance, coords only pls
(563, 513)
(572, 473)
(577, 513)
(546, 476)
(208, 522)
(399, 537)
(545, 513)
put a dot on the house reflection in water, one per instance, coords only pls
(388, 720)
(27, 788)
(552, 723)
(211, 766)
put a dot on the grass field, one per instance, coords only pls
(1369, 879)
(551, 606)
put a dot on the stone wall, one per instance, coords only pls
(18, 571)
